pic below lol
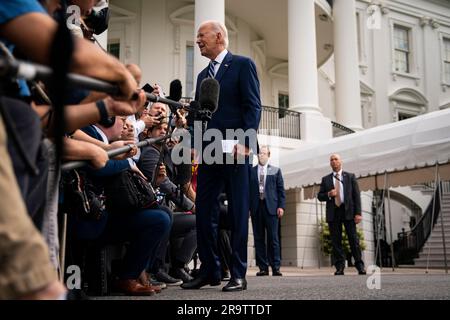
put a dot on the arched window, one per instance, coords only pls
(407, 103)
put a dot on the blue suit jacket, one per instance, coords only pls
(239, 100)
(273, 190)
(112, 167)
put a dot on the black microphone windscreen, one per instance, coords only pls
(209, 94)
(175, 90)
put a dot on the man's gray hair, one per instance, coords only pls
(265, 146)
(218, 26)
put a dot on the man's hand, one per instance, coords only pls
(157, 90)
(180, 120)
(119, 144)
(149, 120)
(280, 212)
(162, 174)
(240, 151)
(99, 157)
(125, 108)
(127, 85)
(135, 169)
(332, 193)
(358, 218)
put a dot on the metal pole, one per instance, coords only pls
(432, 213)
(319, 250)
(32, 71)
(390, 226)
(62, 250)
(115, 152)
(442, 223)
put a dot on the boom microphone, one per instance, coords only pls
(175, 90)
(209, 94)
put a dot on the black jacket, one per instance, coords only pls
(352, 197)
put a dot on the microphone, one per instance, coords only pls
(209, 94)
(175, 90)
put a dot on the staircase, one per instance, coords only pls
(433, 250)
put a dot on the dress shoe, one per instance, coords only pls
(133, 288)
(148, 280)
(276, 273)
(339, 272)
(262, 273)
(199, 282)
(235, 285)
(361, 270)
(156, 283)
(180, 273)
(226, 276)
(168, 280)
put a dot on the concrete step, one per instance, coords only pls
(432, 256)
(437, 234)
(431, 264)
(438, 242)
(435, 246)
(433, 251)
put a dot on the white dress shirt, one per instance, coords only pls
(341, 182)
(219, 60)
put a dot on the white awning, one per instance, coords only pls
(406, 152)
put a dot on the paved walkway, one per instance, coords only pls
(317, 284)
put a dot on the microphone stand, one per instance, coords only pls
(31, 71)
(115, 152)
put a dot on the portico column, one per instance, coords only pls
(205, 10)
(303, 83)
(348, 96)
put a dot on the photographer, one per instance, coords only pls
(183, 233)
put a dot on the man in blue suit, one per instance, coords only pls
(267, 201)
(239, 108)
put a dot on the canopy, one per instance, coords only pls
(403, 153)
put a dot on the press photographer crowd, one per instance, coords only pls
(135, 208)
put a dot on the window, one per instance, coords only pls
(283, 104)
(402, 49)
(447, 60)
(114, 48)
(404, 116)
(189, 69)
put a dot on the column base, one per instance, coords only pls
(315, 127)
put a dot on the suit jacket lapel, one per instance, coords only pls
(346, 183)
(268, 175)
(224, 66)
(330, 181)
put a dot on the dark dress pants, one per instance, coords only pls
(336, 239)
(212, 180)
(266, 225)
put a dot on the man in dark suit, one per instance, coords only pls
(267, 201)
(239, 108)
(341, 192)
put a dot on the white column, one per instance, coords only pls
(205, 10)
(303, 83)
(348, 96)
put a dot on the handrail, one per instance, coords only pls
(411, 242)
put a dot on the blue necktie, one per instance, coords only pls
(211, 67)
